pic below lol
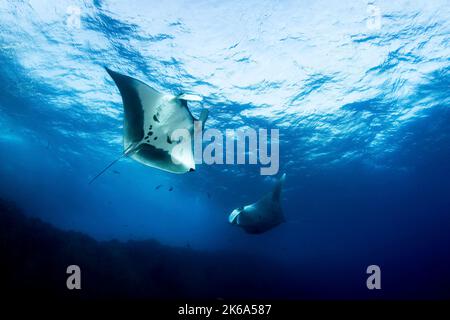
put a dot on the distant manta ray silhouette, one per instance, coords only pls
(263, 215)
(150, 118)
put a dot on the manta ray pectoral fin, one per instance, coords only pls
(138, 98)
(277, 189)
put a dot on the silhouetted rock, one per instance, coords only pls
(35, 256)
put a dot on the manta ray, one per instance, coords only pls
(150, 119)
(262, 215)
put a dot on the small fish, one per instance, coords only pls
(158, 186)
(171, 188)
(116, 172)
(209, 195)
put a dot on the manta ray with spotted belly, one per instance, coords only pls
(262, 215)
(150, 119)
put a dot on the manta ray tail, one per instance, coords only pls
(129, 150)
(277, 190)
(106, 168)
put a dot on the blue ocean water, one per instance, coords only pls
(359, 91)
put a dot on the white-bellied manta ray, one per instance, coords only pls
(262, 215)
(150, 118)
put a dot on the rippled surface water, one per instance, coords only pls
(362, 111)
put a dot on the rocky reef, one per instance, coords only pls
(35, 256)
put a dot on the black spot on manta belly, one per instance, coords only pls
(155, 118)
(169, 140)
